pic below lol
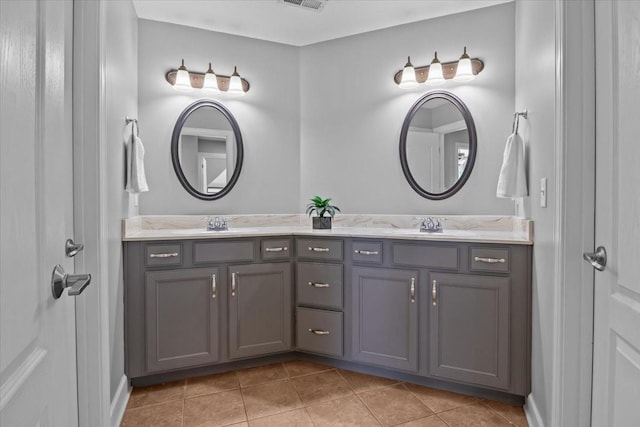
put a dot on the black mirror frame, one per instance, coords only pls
(473, 142)
(175, 158)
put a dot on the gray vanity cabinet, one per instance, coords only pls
(181, 314)
(470, 328)
(385, 317)
(260, 309)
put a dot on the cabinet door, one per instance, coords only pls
(260, 309)
(182, 325)
(385, 317)
(469, 328)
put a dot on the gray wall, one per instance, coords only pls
(268, 117)
(121, 100)
(352, 112)
(535, 91)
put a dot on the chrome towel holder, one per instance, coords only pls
(134, 124)
(516, 119)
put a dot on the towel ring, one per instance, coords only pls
(134, 124)
(516, 120)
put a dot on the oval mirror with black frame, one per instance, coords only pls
(438, 145)
(207, 150)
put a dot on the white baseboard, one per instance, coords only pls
(532, 413)
(119, 402)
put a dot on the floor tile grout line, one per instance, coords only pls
(328, 368)
(404, 386)
(184, 403)
(498, 412)
(359, 398)
(304, 405)
(309, 415)
(416, 396)
(266, 382)
(370, 388)
(444, 421)
(152, 404)
(286, 371)
(312, 373)
(244, 405)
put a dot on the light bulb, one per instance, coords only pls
(235, 83)
(210, 81)
(464, 73)
(408, 76)
(183, 81)
(435, 72)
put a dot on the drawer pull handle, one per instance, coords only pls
(164, 255)
(314, 249)
(490, 260)
(319, 285)
(233, 284)
(319, 332)
(412, 291)
(282, 249)
(363, 252)
(213, 286)
(434, 293)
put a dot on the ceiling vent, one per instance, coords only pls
(316, 5)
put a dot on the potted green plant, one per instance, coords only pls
(324, 212)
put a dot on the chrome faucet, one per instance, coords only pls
(217, 224)
(431, 225)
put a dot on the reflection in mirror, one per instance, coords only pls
(206, 150)
(437, 145)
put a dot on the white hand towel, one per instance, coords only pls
(512, 182)
(136, 178)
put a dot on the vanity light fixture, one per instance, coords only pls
(408, 76)
(183, 82)
(235, 83)
(435, 76)
(208, 81)
(462, 70)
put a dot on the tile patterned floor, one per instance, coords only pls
(300, 393)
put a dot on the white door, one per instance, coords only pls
(425, 158)
(37, 332)
(616, 355)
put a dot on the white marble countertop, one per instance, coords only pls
(482, 229)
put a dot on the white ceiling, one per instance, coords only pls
(275, 21)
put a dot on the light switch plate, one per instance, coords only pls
(543, 193)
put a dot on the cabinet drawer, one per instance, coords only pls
(420, 255)
(367, 252)
(206, 252)
(169, 254)
(275, 249)
(319, 284)
(329, 249)
(486, 259)
(319, 331)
